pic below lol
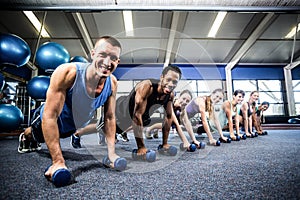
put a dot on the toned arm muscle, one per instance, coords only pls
(62, 79)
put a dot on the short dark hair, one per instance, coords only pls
(111, 40)
(172, 68)
(239, 92)
(265, 103)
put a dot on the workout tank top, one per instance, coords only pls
(79, 108)
(125, 102)
(223, 117)
(257, 111)
(177, 111)
(249, 111)
(192, 109)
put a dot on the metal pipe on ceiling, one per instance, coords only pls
(174, 5)
(295, 9)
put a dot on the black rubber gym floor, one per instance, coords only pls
(266, 167)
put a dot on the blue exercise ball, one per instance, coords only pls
(50, 55)
(79, 59)
(37, 87)
(13, 50)
(11, 117)
(294, 121)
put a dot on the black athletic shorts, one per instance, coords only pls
(36, 127)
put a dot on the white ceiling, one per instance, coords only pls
(247, 34)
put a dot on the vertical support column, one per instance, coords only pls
(228, 69)
(172, 35)
(228, 83)
(289, 91)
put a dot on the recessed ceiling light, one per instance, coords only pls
(127, 16)
(36, 23)
(216, 25)
(292, 32)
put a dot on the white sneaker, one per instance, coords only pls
(24, 145)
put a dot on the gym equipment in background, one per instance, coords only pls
(11, 117)
(13, 50)
(79, 59)
(50, 55)
(37, 87)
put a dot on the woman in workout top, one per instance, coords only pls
(245, 116)
(258, 117)
(230, 111)
(202, 105)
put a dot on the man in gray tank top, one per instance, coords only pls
(74, 94)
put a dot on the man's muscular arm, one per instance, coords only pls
(110, 121)
(62, 79)
(143, 91)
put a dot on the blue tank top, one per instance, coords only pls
(79, 107)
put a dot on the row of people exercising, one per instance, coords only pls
(77, 90)
(231, 115)
(75, 93)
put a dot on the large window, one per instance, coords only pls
(246, 85)
(124, 88)
(205, 87)
(197, 87)
(269, 90)
(186, 85)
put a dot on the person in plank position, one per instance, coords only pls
(76, 90)
(136, 109)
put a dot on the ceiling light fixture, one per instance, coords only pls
(36, 23)
(127, 16)
(216, 25)
(292, 32)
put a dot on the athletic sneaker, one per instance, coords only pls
(24, 144)
(75, 141)
(148, 134)
(123, 137)
(35, 146)
(155, 133)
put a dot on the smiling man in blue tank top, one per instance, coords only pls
(75, 92)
